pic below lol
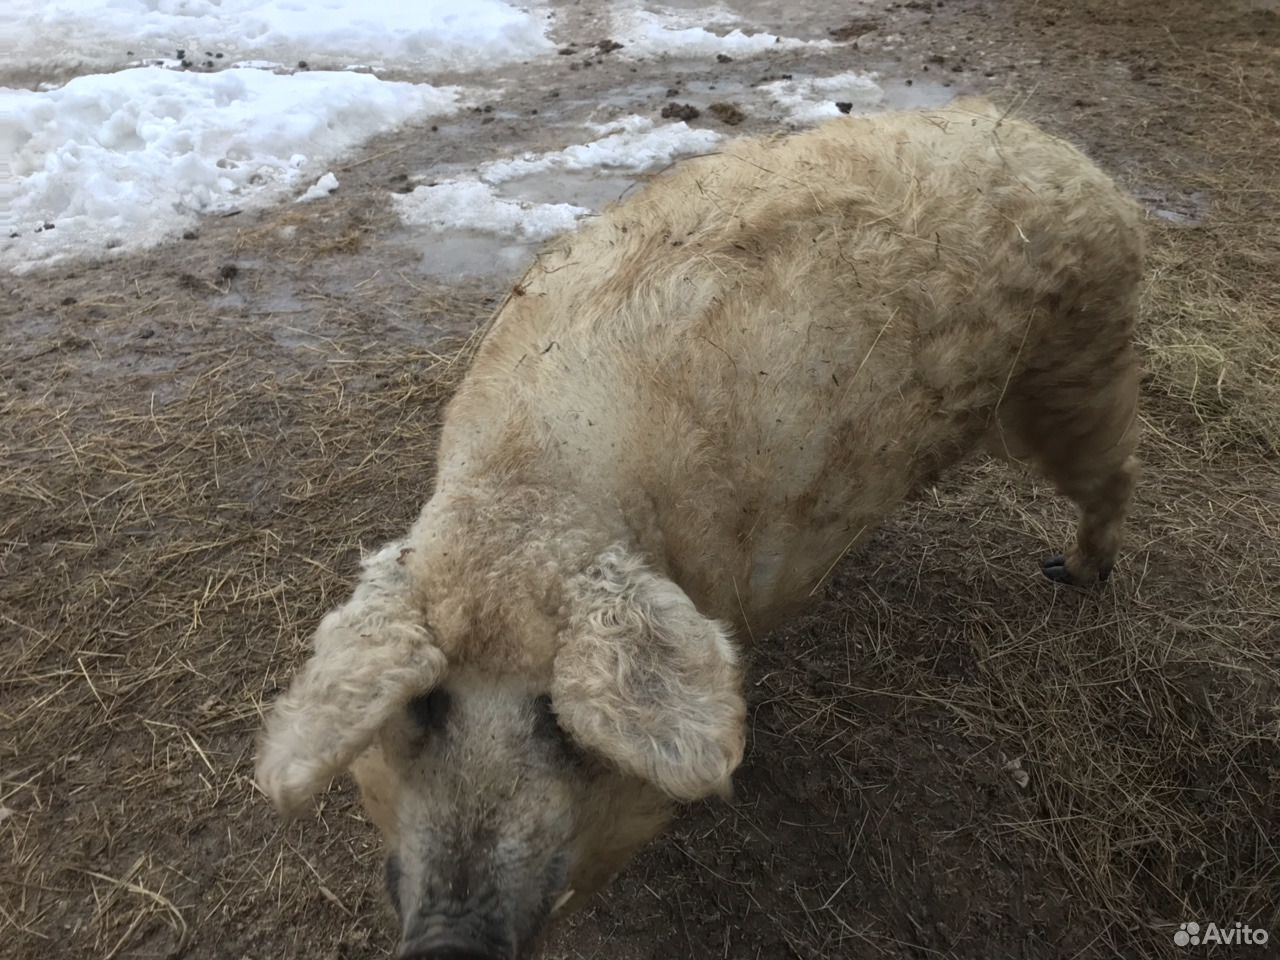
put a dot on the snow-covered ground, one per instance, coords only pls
(183, 108)
(644, 33)
(432, 34)
(809, 100)
(126, 159)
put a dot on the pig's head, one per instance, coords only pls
(503, 796)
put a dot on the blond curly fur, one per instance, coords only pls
(646, 680)
(686, 413)
(371, 655)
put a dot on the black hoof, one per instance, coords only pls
(1055, 568)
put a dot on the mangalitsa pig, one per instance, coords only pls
(680, 419)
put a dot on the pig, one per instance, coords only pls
(678, 422)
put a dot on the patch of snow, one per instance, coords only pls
(8, 188)
(647, 34)
(472, 205)
(436, 34)
(243, 64)
(321, 188)
(633, 144)
(809, 100)
(124, 160)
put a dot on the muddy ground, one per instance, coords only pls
(949, 757)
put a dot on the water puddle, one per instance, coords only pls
(594, 189)
(907, 94)
(1175, 207)
(470, 253)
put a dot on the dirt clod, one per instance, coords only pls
(680, 111)
(729, 114)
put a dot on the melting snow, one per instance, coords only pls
(813, 99)
(634, 144)
(629, 145)
(461, 34)
(123, 160)
(472, 205)
(321, 188)
(645, 34)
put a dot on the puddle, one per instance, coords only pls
(917, 94)
(265, 303)
(594, 189)
(453, 254)
(1176, 208)
(470, 253)
(627, 97)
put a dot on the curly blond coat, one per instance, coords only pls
(687, 412)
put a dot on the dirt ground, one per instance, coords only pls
(949, 757)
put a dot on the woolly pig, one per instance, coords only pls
(681, 418)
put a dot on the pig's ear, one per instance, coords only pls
(648, 682)
(371, 656)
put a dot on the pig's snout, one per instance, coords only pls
(448, 951)
(457, 934)
(455, 940)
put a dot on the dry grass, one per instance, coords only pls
(1212, 336)
(153, 594)
(1128, 739)
(303, 233)
(1148, 720)
(1212, 313)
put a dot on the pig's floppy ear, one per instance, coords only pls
(371, 656)
(644, 679)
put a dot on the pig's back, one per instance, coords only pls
(774, 344)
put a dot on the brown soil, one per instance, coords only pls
(727, 113)
(680, 111)
(949, 757)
